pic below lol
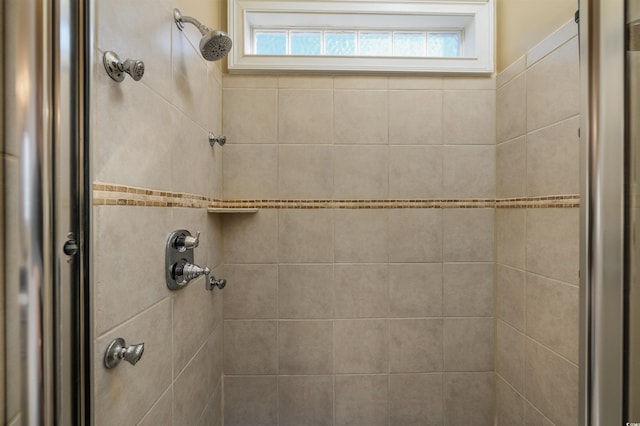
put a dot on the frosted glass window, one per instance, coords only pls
(306, 43)
(413, 36)
(340, 43)
(443, 45)
(409, 44)
(375, 44)
(271, 43)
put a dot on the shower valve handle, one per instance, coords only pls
(134, 67)
(187, 242)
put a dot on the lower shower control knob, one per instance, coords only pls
(117, 351)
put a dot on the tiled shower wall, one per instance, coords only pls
(366, 316)
(153, 134)
(537, 249)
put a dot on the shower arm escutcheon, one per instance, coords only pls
(116, 68)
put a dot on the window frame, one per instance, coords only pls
(479, 33)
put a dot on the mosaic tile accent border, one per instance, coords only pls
(122, 195)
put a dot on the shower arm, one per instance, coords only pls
(181, 19)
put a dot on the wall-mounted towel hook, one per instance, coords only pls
(213, 139)
(116, 68)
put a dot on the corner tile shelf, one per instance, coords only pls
(226, 210)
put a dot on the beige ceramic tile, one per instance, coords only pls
(212, 415)
(303, 82)
(468, 235)
(510, 237)
(469, 172)
(305, 347)
(415, 235)
(189, 335)
(189, 388)
(305, 116)
(415, 290)
(469, 117)
(360, 82)
(510, 345)
(361, 236)
(305, 291)
(161, 412)
(468, 289)
(216, 354)
(123, 395)
(415, 83)
(415, 172)
(509, 405)
(511, 71)
(361, 117)
(468, 344)
(252, 291)
(251, 238)
(511, 166)
(361, 290)
(305, 235)
(250, 347)
(250, 115)
(469, 396)
(553, 89)
(361, 172)
(470, 83)
(415, 117)
(415, 399)
(551, 384)
(361, 400)
(361, 346)
(121, 30)
(305, 400)
(190, 91)
(117, 299)
(250, 171)
(126, 111)
(251, 400)
(553, 165)
(553, 243)
(249, 81)
(533, 417)
(555, 40)
(305, 171)
(552, 315)
(415, 345)
(510, 297)
(190, 142)
(511, 114)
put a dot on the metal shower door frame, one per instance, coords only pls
(46, 116)
(602, 69)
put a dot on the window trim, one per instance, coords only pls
(480, 32)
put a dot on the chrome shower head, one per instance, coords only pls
(214, 44)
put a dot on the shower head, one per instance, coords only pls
(214, 44)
